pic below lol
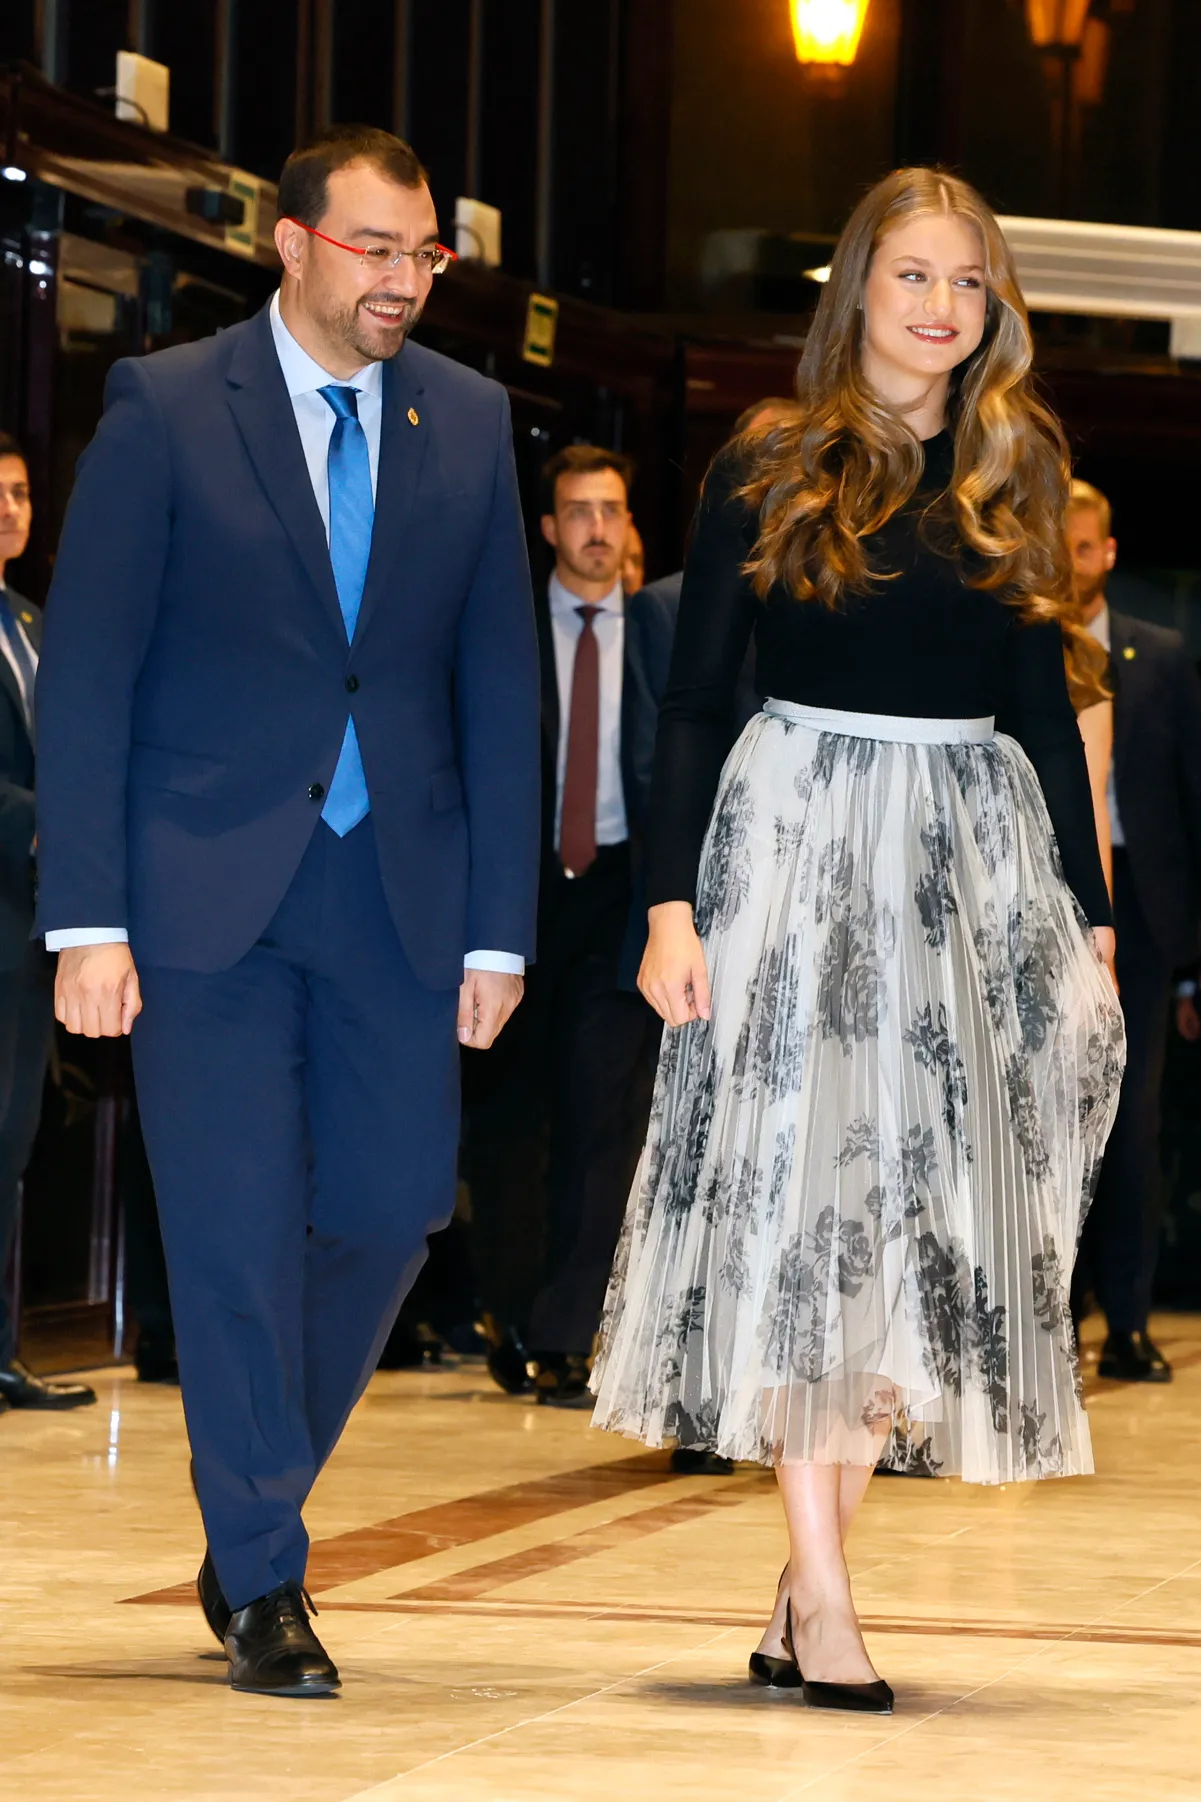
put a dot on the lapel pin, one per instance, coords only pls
(1129, 653)
(414, 418)
(27, 619)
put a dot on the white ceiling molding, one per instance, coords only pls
(1114, 271)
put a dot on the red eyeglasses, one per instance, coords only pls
(433, 260)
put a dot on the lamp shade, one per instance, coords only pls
(1057, 23)
(828, 31)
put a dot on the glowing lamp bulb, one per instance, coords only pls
(828, 31)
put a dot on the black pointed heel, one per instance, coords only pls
(775, 1673)
(852, 1698)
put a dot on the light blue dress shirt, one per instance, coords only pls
(612, 827)
(315, 423)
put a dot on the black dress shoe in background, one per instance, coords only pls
(21, 1389)
(4, 1406)
(273, 1651)
(217, 1611)
(1133, 1358)
(561, 1380)
(692, 1461)
(508, 1362)
(154, 1359)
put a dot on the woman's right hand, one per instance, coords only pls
(673, 977)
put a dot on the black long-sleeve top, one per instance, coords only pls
(923, 645)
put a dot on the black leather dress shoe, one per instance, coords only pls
(561, 1380)
(1133, 1358)
(154, 1359)
(217, 1611)
(21, 1389)
(273, 1651)
(692, 1461)
(507, 1363)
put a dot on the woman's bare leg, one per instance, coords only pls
(819, 1502)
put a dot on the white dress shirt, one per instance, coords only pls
(1099, 627)
(315, 420)
(612, 827)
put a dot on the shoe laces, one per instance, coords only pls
(289, 1604)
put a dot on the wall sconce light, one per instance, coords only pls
(1057, 31)
(827, 32)
(1057, 24)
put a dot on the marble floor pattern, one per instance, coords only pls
(525, 1610)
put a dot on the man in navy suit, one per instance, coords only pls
(1155, 823)
(26, 973)
(571, 1090)
(288, 818)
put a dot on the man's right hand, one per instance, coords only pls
(96, 991)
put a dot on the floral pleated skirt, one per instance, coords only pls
(854, 1223)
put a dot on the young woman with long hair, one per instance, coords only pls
(896, 1055)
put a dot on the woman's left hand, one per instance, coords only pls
(1106, 941)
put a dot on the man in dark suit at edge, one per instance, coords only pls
(288, 813)
(1155, 817)
(26, 973)
(573, 1081)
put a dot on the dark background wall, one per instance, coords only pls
(617, 136)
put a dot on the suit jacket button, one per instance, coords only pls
(352, 684)
(316, 791)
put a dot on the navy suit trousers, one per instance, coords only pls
(301, 1117)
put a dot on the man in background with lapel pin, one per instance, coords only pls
(26, 973)
(1155, 819)
(288, 817)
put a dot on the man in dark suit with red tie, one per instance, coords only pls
(557, 1120)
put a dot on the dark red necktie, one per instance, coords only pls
(577, 828)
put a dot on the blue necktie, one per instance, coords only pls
(351, 517)
(21, 656)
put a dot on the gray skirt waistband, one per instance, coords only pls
(895, 728)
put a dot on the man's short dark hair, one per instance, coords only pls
(304, 183)
(10, 448)
(583, 460)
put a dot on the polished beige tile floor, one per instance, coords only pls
(528, 1611)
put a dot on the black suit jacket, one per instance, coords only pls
(1157, 775)
(650, 623)
(16, 800)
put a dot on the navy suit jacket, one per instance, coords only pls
(16, 801)
(195, 678)
(1157, 775)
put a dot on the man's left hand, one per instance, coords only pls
(486, 1000)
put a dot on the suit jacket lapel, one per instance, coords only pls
(550, 677)
(11, 687)
(402, 454)
(258, 396)
(1122, 676)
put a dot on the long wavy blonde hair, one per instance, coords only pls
(823, 482)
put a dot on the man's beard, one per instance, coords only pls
(369, 338)
(1088, 590)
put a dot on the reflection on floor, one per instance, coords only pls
(527, 1611)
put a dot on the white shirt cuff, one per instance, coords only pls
(70, 936)
(1185, 990)
(505, 963)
